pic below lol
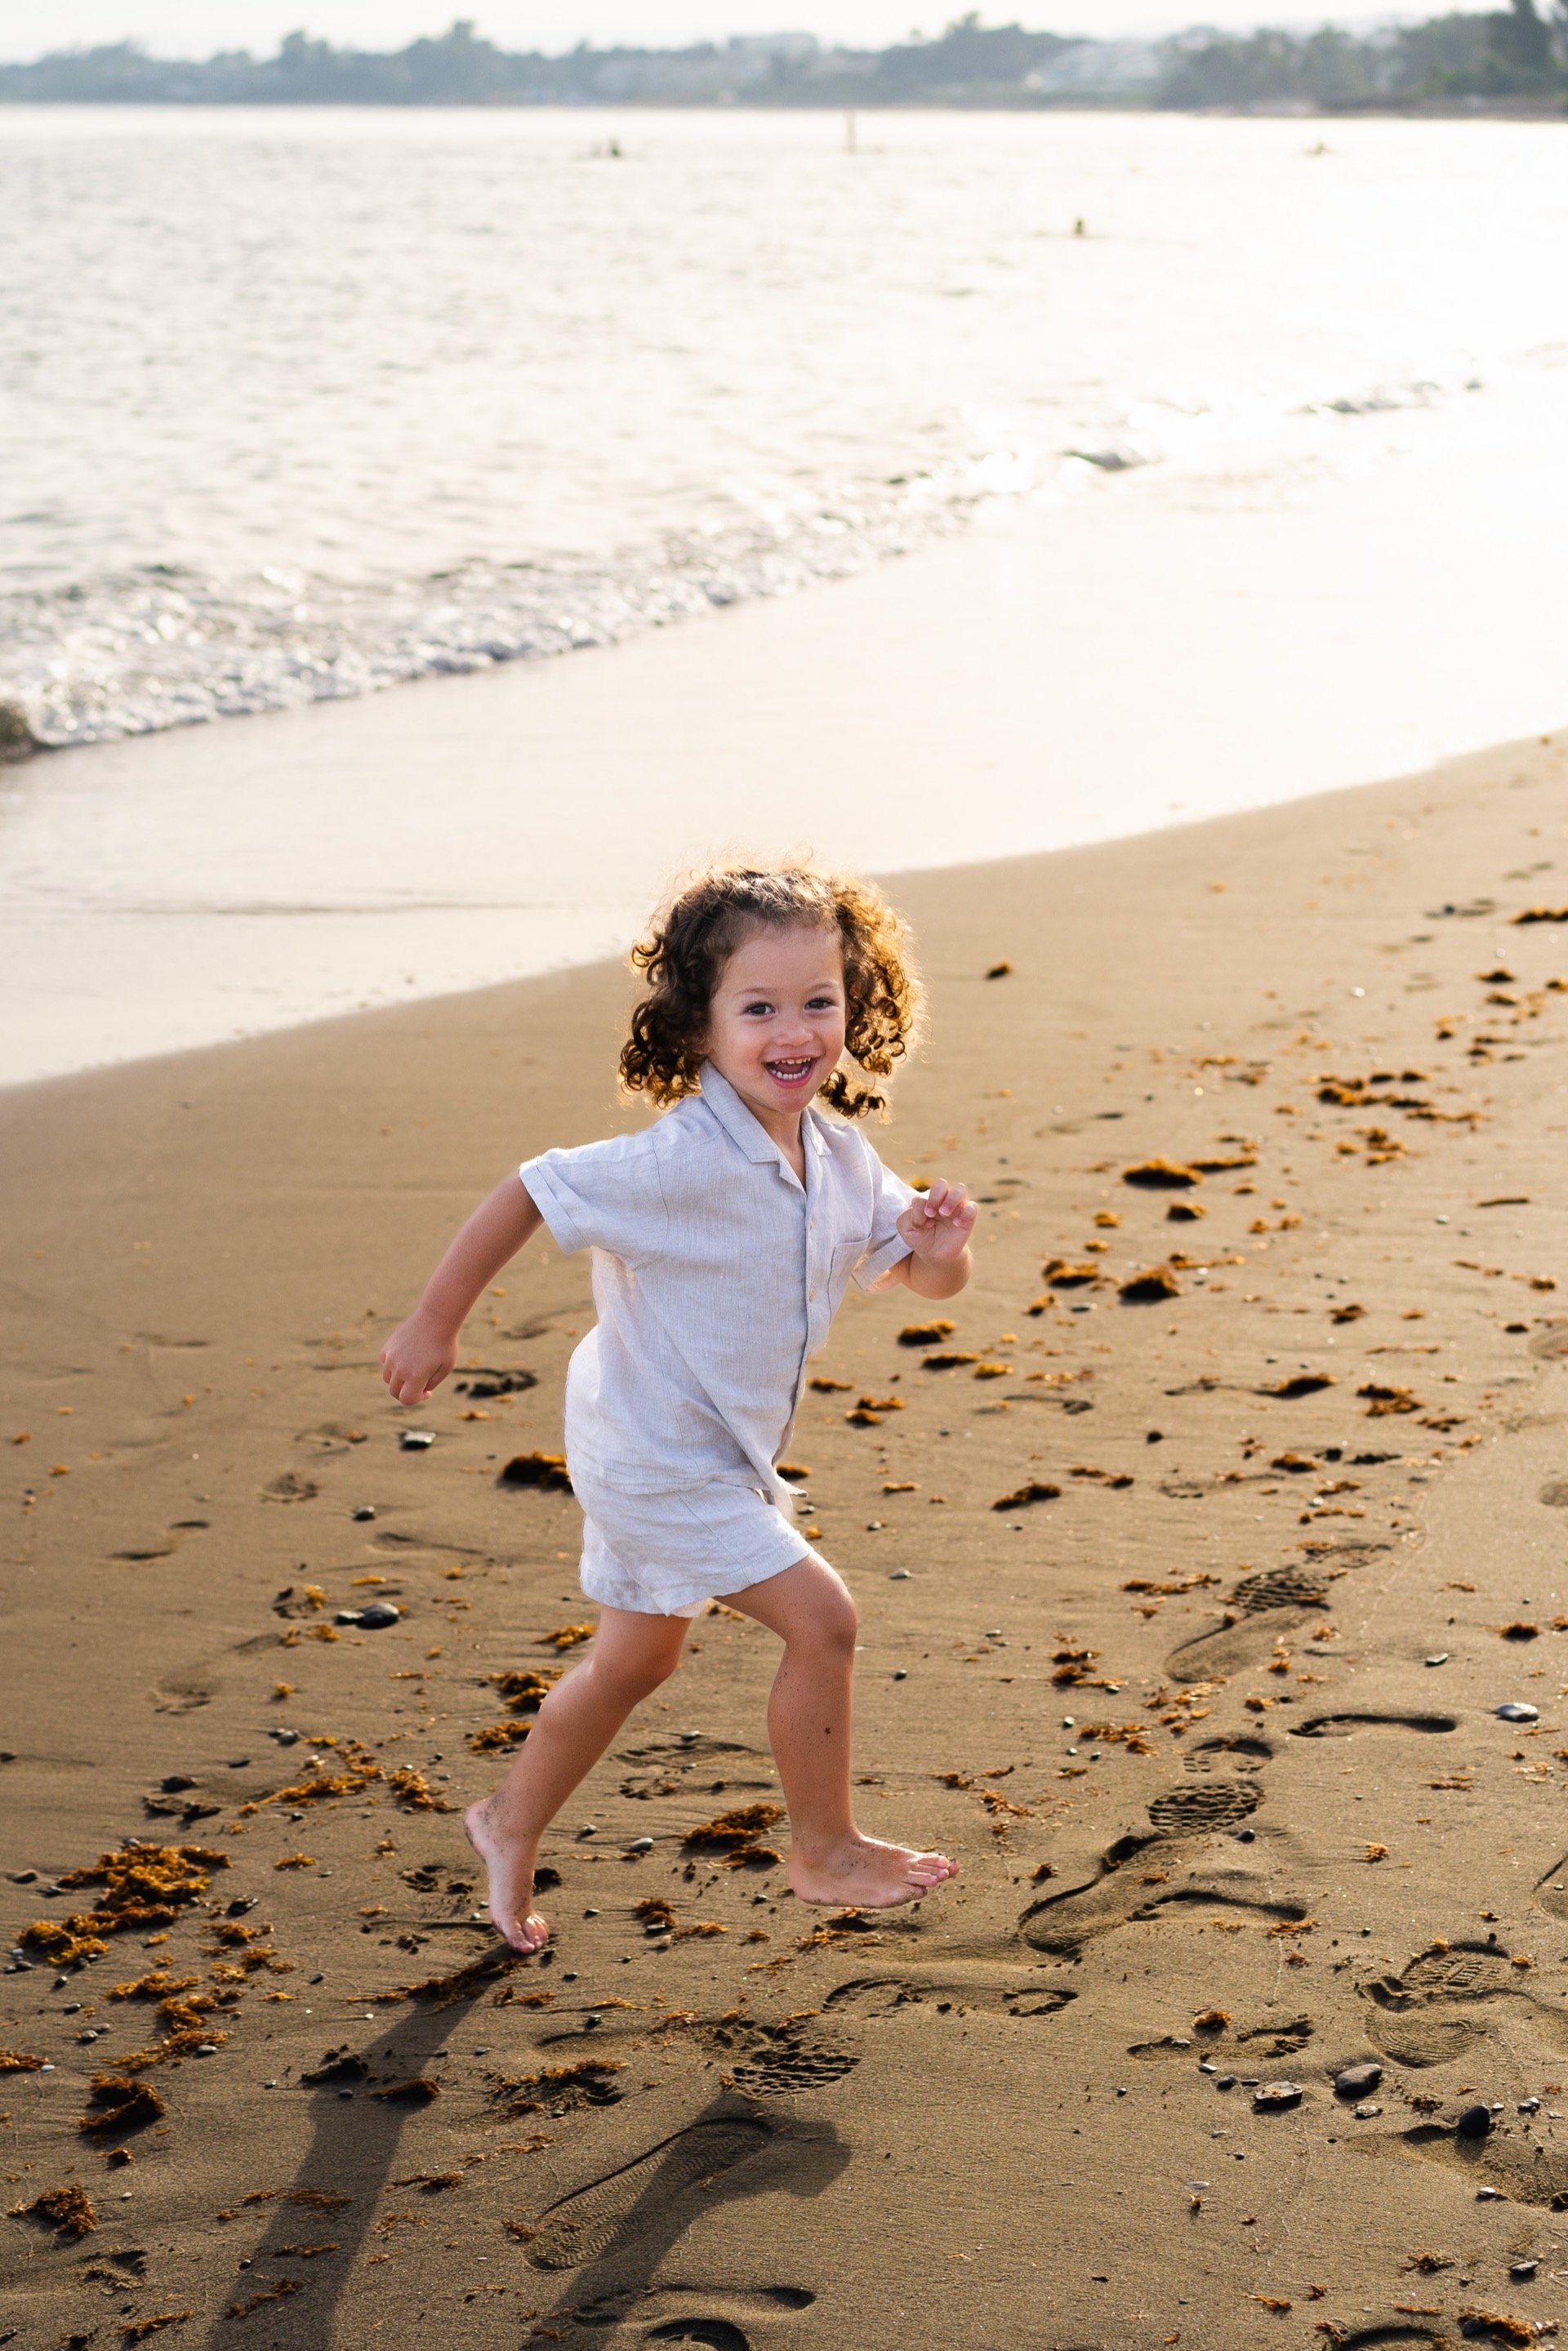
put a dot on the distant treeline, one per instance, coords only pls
(1514, 53)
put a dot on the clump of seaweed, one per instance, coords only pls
(545, 1472)
(732, 1832)
(525, 1692)
(498, 1738)
(1062, 1274)
(143, 1885)
(1039, 1489)
(1146, 1289)
(67, 2210)
(19, 2061)
(116, 2102)
(1161, 1175)
(925, 1334)
(413, 1791)
(1381, 1400)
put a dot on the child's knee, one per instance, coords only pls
(835, 1621)
(636, 1677)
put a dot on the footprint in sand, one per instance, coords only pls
(951, 1990)
(1274, 1601)
(1435, 2334)
(164, 1546)
(1452, 1997)
(1345, 1726)
(702, 2321)
(582, 2227)
(1180, 1819)
(290, 1487)
(1551, 1346)
(1510, 2157)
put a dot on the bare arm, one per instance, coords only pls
(422, 1351)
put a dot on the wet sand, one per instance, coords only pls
(1191, 1583)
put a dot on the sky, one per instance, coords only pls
(197, 28)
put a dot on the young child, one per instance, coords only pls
(723, 1238)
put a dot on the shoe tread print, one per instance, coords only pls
(583, 2225)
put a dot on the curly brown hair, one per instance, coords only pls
(709, 918)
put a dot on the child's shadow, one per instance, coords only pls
(333, 2201)
(615, 2231)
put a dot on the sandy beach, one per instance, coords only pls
(1193, 1563)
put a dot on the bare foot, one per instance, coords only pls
(866, 1875)
(510, 1862)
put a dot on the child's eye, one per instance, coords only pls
(759, 1006)
(820, 1004)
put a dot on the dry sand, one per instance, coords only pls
(1297, 1526)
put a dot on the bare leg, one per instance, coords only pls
(631, 1654)
(809, 1717)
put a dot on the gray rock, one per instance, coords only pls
(1357, 2081)
(1474, 2122)
(1274, 2097)
(1515, 1711)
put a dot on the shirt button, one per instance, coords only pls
(812, 1292)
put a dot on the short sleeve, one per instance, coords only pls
(601, 1196)
(890, 1196)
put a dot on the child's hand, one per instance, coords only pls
(416, 1359)
(937, 1224)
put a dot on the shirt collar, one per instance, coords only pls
(746, 1130)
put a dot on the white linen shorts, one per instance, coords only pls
(670, 1552)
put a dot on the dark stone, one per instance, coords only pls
(174, 1781)
(1474, 2122)
(1357, 2081)
(1274, 2098)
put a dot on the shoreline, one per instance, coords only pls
(1330, 1450)
(1068, 672)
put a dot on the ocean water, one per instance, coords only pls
(296, 404)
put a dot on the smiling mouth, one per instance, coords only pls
(793, 1072)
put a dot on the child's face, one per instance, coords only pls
(776, 1030)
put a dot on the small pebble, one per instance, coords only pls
(416, 1440)
(1528, 2105)
(1516, 1711)
(1490, 2196)
(173, 1784)
(363, 1512)
(1273, 2097)
(638, 1844)
(285, 1738)
(1474, 2122)
(590, 2021)
(1439, 1658)
(899, 1575)
(900, 1675)
(591, 1914)
(1523, 2272)
(1357, 2081)
(1365, 2114)
(1226, 2081)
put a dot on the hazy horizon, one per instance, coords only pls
(185, 28)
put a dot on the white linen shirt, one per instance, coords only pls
(716, 1275)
